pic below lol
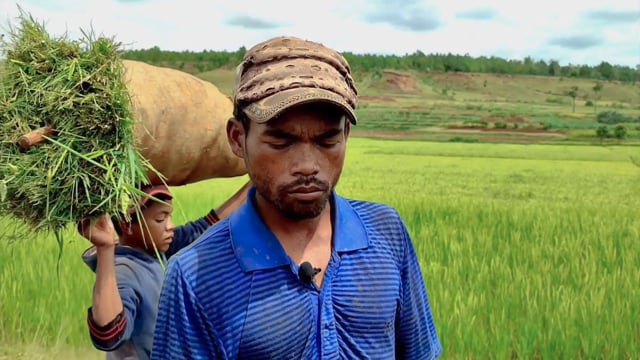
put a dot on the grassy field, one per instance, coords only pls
(528, 251)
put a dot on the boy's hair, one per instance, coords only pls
(159, 192)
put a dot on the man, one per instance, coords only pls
(297, 272)
(125, 257)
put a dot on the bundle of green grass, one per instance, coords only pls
(81, 130)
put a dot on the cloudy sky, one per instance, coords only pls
(570, 31)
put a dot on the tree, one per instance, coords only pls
(597, 88)
(585, 71)
(528, 66)
(602, 132)
(605, 70)
(554, 68)
(573, 93)
(368, 62)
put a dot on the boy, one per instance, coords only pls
(128, 273)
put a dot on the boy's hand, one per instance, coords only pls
(101, 233)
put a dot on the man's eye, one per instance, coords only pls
(279, 146)
(329, 144)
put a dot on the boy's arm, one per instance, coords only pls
(110, 335)
(189, 232)
(106, 299)
(416, 336)
(233, 202)
(110, 322)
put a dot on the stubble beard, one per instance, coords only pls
(294, 209)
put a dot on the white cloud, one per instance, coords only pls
(506, 28)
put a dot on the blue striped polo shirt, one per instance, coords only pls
(236, 294)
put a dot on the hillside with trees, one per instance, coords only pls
(198, 62)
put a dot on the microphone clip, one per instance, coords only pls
(307, 272)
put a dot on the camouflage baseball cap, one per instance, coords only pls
(283, 72)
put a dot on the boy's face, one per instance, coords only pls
(155, 227)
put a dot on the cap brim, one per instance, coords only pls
(268, 108)
(154, 192)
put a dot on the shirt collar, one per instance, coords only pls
(257, 248)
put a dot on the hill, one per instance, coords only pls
(457, 106)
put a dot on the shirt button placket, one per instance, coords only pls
(329, 336)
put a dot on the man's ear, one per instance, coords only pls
(347, 128)
(236, 136)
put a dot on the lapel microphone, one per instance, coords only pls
(306, 272)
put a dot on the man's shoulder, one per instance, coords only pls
(381, 222)
(368, 205)
(382, 225)
(372, 212)
(209, 265)
(214, 243)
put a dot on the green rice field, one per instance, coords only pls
(528, 251)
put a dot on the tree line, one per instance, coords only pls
(208, 60)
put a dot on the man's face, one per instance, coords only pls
(294, 160)
(155, 226)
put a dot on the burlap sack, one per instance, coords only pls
(180, 124)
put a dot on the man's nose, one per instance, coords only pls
(305, 160)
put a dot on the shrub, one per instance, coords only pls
(474, 123)
(620, 132)
(461, 139)
(555, 100)
(500, 125)
(613, 118)
(602, 132)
